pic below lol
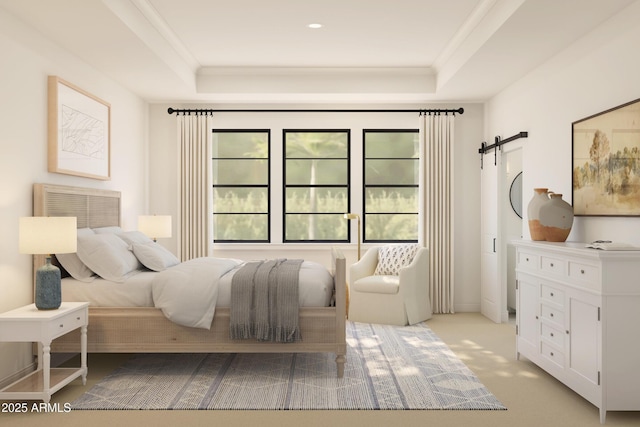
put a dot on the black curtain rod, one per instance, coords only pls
(211, 111)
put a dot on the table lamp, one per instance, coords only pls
(155, 226)
(355, 216)
(46, 236)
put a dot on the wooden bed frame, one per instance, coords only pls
(147, 330)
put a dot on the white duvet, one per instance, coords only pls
(188, 293)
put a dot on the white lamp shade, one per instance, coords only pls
(48, 235)
(155, 226)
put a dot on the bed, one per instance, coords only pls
(140, 328)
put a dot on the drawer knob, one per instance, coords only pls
(551, 353)
(551, 293)
(527, 259)
(551, 334)
(581, 271)
(567, 332)
(62, 325)
(551, 314)
(551, 264)
(78, 318)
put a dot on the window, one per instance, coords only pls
(391, 171)
(241, 203)
(316, 185)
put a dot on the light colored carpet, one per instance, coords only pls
(387, 368)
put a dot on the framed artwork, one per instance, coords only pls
(606, 162)
(79, 131)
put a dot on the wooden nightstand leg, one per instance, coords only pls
(46, 371)
(39, 355)
(83, 353)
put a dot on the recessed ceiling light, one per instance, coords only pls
(315, 26)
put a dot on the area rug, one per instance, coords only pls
(388, 368)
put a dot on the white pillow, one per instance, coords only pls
(154, 256)
(392, 258)
(76, 268)
(114, 229)
(131, 237)
(109, 256)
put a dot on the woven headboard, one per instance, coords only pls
(92, 207)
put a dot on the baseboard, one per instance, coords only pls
(467, 308)
(18, 375)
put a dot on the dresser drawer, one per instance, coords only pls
(555, 266)
(584, 272)
(528, 261)
(552, 354)
(553, 335)
(552, 294)
(552, 314)
(67, 323)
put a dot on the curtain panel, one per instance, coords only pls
(195, 220)
(436, 206)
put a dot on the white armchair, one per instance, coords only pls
(390, 299)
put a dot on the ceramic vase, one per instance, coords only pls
(556, 218)
(540, 198)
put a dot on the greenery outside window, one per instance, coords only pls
(241, 178)
(316, 185)
(391, 178)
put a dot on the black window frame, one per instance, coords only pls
(365, 186)
(285, 186)
(267, 186)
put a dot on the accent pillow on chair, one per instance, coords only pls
(393, 257)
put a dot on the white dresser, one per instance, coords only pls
(578, 318)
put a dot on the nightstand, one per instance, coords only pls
(28, 324)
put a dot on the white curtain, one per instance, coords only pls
(435, 226)
(195, 214)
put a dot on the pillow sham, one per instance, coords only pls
(76, 268)
(108, 256)
(114, 229)
(394, 257)
(154, 256)
(131, 237)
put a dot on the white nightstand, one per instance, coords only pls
(28, 324)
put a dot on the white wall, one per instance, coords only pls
(599, 72)
(27, 60)
(468, 133)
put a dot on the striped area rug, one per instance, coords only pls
(388, 368)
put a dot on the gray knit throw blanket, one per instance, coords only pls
(264, 301)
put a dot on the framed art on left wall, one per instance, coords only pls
(79, 131)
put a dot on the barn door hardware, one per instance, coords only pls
(498, 146)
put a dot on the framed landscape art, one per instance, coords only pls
(606, 162)
(79, 131)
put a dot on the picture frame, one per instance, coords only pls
(79, 131)
(606, 162)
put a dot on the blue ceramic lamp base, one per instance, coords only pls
(48, 288)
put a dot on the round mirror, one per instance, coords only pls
(515, 194)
